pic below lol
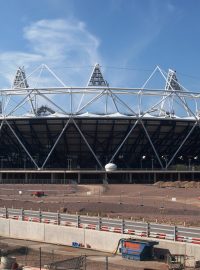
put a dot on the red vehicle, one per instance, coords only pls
(37, 193)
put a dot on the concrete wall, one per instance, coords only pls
(27, 230)
(104, 241)
(63, 235)
(4, 227)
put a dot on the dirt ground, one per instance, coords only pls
(173, 205)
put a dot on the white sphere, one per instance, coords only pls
(110, 167)
(20, 192)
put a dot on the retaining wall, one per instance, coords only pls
(97, 240)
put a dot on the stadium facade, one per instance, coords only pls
(62, 133)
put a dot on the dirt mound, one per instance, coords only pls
(177, 184)
(158, 183)
(163, 184)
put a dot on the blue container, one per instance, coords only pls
(75, 244)
(133, 249)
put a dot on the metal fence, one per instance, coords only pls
(130, 227)
(76, 263)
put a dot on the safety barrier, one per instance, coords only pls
(130, 227)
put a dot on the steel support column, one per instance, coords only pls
(124, 140)
(56, 142)
(27, 152)
(152, 145)
(90, 148)
(167, 165)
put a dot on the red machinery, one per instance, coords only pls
(38, 193)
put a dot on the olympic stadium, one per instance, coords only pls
(58, 134)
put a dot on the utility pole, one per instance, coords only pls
(40, 255)
(106, 262)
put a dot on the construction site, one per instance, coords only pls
(46, 256)
(99, 177)
(164, 202)
(171, 203)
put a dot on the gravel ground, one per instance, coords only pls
(139, 202)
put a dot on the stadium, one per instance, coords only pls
(58, 134)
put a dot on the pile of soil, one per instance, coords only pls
(177, 184)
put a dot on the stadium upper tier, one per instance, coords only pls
(87, 127)
(168, 100)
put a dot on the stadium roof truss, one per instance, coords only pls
(138, 108)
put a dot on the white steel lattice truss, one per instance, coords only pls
(98, 99)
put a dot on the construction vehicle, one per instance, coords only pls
(38, 193)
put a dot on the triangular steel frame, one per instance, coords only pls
(28, 94)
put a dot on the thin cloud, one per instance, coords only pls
(56, 43)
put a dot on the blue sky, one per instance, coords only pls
(127, 37)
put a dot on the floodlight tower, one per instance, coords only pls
(20, 80)
(172, 81)
(174, 86)
(96, 78)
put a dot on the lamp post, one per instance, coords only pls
(195, 158)
(189, 163)
(24, 159)
(142, 158)
(1, 162)
(69, 163)
(121, 159)
(152, 163)
(165, 159)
